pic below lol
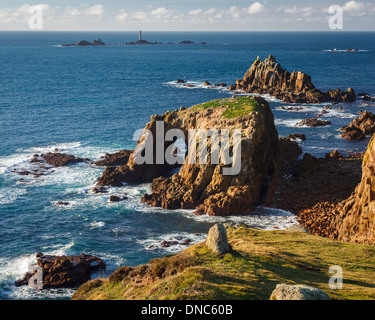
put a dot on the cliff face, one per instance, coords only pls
(268, 77)
(355, 217)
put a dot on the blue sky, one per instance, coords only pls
(193, 15)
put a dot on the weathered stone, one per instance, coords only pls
(217, 239)
(61, 271)
(267, 77)
(297, 292)
(296, 227)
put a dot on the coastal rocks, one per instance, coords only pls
(115, 159)
(114, 198)
(85, 43)
(296, 136)
(217, 239)
(359, 128)
(297, 292)
(61, 271)
(58, 159)
(313, 122)
(204, 186)
(354, 220)
(267, 77)
(186, 42)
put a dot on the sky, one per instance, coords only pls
(192, 15)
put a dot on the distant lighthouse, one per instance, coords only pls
(140, 35)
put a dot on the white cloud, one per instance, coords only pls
(96, 10)
(354, 6)
(256, 7)
(123, 15)
(195, 12)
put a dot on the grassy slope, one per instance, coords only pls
(258, 261)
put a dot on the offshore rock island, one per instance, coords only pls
(268, 77)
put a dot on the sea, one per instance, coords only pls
(89, 101)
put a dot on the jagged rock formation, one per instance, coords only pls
(358, 128)
(354, 219)
(204, 187)
(268, 77)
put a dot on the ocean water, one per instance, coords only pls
(88, 101)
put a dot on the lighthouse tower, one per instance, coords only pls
(140, 35)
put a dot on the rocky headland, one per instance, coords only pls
(268, 77)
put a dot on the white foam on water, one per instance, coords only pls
(154, 243)
(261, 218)
(97, 224)
(16, 268)
(288, 122)
(9, 195)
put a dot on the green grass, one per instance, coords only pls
(234, 107)
(258, 261)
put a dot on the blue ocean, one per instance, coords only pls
(88, 101)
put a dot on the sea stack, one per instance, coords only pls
(268, 77)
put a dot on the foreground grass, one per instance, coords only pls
(257, 262)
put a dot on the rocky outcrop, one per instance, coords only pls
(217, 239)
(85, 43)
(204, 187)
(58, 159)
(314, 122)
(268, 77)
(359, 128)
(296, 136)
(61, 271)
(354, 218)
(115, 159)
(297, 292)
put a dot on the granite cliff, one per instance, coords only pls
(204, 186)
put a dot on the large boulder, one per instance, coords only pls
(268, 77)
(61, 271)
(217, 239)
(297, 292)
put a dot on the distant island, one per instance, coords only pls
(85, 43)
(140, 41)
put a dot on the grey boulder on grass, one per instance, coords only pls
(217, 239)
(297, 292)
